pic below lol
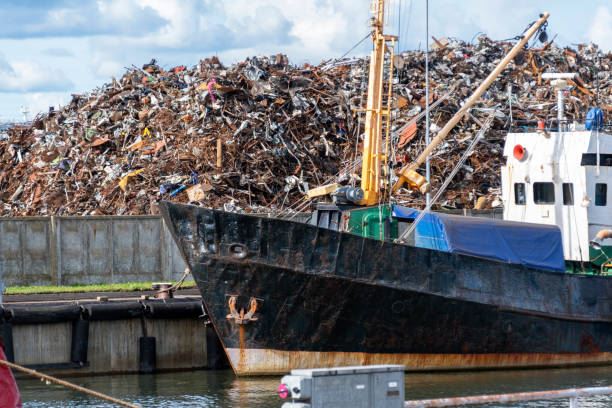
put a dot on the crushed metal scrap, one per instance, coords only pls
(257, 135)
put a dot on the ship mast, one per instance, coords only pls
(378, 109)
(374, 169)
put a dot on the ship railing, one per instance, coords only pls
(531, 126)
(572, 394)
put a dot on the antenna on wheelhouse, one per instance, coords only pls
(427, 104)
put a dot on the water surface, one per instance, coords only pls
(223, 389)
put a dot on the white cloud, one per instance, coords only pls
(320, 29)
(40, 102)
(306, 30)
(68, 18)
(58, 52)
(196, 29)
(205, 25)
(104, 36)
(601, 28)
(28, 76)
(106, 65)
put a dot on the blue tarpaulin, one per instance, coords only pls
(533, 245)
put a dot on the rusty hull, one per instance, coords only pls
(328, 298)
(252, 362)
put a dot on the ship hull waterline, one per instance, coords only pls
(324, 298)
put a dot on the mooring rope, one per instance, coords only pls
(67, 384)
(177, 284)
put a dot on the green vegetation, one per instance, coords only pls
(102, 287)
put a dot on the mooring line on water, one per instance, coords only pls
(67, 384)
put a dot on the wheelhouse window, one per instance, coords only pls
(543, 193)
(568, 194)
(601, 194)
(519, 194)
(590, 159)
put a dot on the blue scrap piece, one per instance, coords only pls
(64, 164)
(164, 188)
(594, 119)
(533, 245)
(178, 190)
(194, 177)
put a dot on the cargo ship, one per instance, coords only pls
(351, 286)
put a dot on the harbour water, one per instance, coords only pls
(223, 389)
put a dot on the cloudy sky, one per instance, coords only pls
(50, 49)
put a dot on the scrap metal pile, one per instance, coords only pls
(255, 136)
(518, 100)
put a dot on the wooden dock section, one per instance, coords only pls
(85, 333)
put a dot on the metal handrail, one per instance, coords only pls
(571, 393)
(530, 126)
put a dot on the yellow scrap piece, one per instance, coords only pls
(136, 145)
(196, 193)
(322, 190)
(124, 180)
(414, 180)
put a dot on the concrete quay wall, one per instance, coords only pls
(86, 250)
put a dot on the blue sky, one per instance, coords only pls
(50, 49)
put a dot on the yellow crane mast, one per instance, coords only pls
(378, 109)
(375, 151)
(377, 132)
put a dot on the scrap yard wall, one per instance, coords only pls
(85, 250)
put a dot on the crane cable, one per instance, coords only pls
(468, 151)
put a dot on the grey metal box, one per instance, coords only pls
(376, 386)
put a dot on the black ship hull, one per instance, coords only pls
(284, 295)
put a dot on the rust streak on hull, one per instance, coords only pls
(242, 356)
(277, 362)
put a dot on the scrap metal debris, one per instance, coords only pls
(258, 135)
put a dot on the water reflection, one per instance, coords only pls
(223, 389)
(461, 384)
